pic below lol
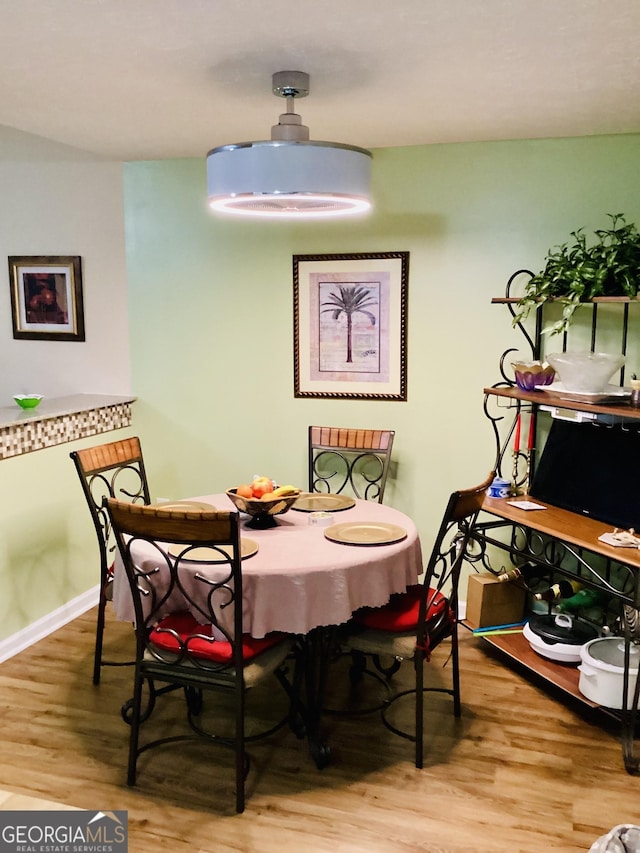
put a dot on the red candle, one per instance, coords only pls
(532, 431)
(516, 440)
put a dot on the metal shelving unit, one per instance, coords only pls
(562, 543)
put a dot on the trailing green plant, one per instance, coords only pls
(574, 274)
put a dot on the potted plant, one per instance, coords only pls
(574, 274)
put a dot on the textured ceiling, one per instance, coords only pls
(148, 79)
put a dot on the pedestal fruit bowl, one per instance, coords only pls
(276, 500)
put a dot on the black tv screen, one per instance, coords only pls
(592, 469)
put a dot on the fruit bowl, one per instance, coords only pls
(28, 401)
(262, 510)
(532, 374)
(586, 372)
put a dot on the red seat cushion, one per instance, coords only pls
(194, 637)
(402, 611)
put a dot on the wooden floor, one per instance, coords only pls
(519, 771)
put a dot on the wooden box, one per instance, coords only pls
(492, 602)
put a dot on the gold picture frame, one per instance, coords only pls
(350, 325)
(46, 297)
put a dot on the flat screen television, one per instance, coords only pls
(592, 469)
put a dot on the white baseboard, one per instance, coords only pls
(48, 624)
(67, 613)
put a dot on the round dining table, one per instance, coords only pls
(305, 575)
(296, 578)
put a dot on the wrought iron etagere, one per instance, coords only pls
(557, 552)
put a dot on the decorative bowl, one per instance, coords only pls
(28, 401)
(531, 374)
(262, 510)
(586, 372)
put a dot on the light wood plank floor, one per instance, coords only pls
(520, 771)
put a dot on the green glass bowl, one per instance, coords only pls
(28, 401)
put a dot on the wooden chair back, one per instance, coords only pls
(442, 574)
(210, 596)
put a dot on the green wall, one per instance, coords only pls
(211, 326)
(48, 549)
(56, 200)
(211, 308)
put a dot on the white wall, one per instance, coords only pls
(57, 200)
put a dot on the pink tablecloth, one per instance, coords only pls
(299, 579)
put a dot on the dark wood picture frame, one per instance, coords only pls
(46, 297)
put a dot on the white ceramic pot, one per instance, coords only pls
(602, 671)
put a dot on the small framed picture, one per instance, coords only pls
(350, 325)
(46, 297)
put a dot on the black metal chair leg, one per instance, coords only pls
(135, 729)
(97, 657)
(419, 664)
(194, 699)
(457, 708)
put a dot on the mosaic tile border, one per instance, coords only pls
(37, 434)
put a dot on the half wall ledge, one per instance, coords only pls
(58, 420)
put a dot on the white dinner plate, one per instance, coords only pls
(312, 502)
(365, 533)
(612, 393)
(248, 547)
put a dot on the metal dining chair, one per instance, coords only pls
(354, 462)
(415, 622)
(346, 460)
(199, 647)
(112, 470)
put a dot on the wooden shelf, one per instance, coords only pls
(539, 398)
(597, 300)
(579, 530)
(563, 676)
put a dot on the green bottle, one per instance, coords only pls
(582, 599)
(559, 590)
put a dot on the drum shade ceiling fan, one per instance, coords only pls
(289, 175)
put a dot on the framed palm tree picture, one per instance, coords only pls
(350, 325)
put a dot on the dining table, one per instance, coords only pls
(323, 559)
